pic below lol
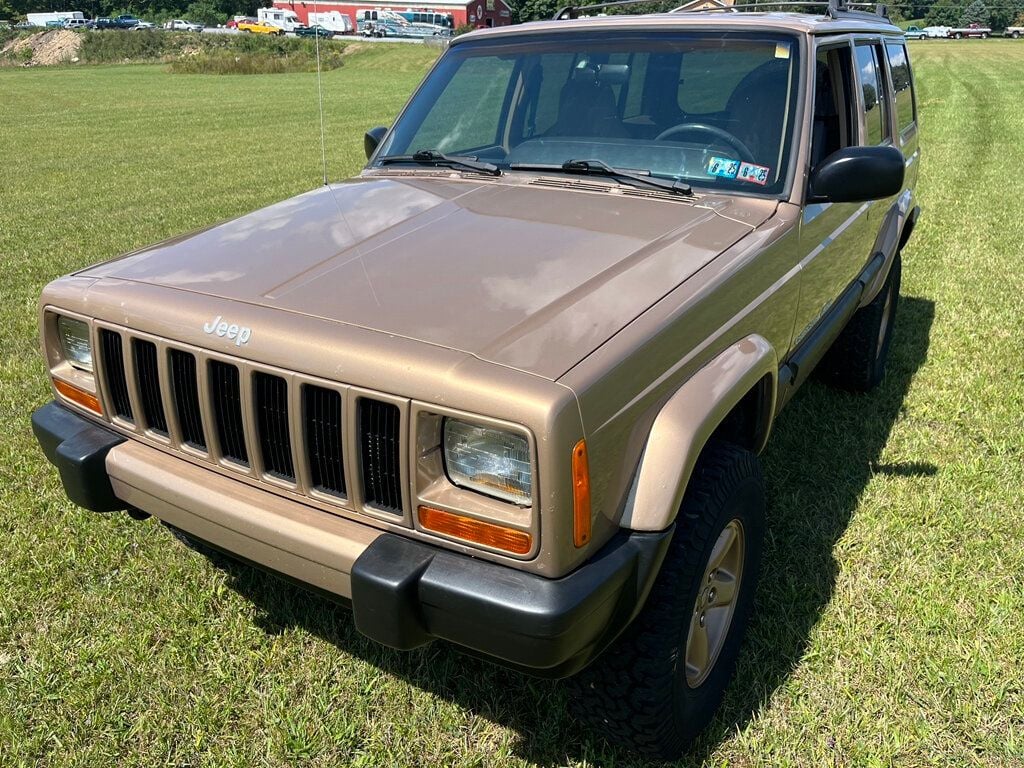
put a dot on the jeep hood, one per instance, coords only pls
(519, 272)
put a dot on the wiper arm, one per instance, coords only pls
(433, 157)
(600, 168)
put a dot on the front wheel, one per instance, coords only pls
(657, 687)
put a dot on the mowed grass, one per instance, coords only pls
(890, 624)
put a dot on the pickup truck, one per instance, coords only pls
(971, 30)
(259, 28)
(915, 33)
(1014, 32)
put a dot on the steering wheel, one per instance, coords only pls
(714, 132)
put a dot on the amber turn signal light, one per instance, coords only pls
(476, 531)
(78, 396)
(580, 495)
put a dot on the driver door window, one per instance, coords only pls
(834, 125)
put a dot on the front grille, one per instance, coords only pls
(230, 409)
(185, 386)
(147, 374)
(271, 396)
(379, 439)
(227, 411)
(117, 382)
(322, 420)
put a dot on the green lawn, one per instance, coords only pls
(890, 627)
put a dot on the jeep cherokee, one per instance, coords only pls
(507, 387)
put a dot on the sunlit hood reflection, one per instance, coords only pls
(529, 277)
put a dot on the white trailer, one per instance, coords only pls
(281, 18)
(41, 19)
(335, 21)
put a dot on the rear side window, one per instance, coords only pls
(875, 120)
(902, 86)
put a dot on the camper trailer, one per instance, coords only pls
(337, 22)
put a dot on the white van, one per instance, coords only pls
(75, 23)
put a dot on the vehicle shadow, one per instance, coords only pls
(825, 448)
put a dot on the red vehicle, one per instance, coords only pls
(234, 22)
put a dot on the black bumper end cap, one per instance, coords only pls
(406, 593)
(78, 448)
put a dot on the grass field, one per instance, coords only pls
(890, 625)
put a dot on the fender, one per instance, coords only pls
(687, 421)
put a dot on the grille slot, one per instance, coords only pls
(322, 420)
(186, 398)
(226, 393)
(379, 447)
(113, 366)
(271, 403)
(147, 374)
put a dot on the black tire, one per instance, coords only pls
(856, 361)
(637, 694)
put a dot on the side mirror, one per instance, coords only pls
(372, 138)
(856, 175)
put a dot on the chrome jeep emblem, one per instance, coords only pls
(239, 334)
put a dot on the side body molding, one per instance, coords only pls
(687, 421)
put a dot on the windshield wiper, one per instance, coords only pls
(433, 157)
(600, 168)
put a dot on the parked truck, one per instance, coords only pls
(971, 30)
(1014, 32)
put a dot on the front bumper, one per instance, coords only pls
(403, 593)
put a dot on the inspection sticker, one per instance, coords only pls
(757, 174)
(724, 167)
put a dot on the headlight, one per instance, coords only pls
(74, 342)
(489, 461)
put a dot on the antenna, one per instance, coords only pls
(320, 92)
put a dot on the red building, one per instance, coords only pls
(478, 13)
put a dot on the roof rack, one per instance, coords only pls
(835, 9)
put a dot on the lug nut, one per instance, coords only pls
(703, 618)
(711, 595)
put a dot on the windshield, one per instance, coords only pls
(708, 108)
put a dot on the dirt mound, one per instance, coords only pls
(55, 46)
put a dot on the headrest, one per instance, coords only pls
(613, 74)
(584, 75)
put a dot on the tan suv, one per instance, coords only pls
(508, 386)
